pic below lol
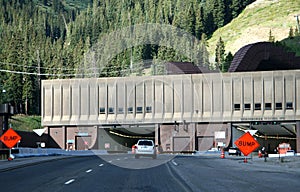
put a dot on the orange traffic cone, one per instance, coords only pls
(10, 157)
(133, 149)
(259, 154)
(222, 154)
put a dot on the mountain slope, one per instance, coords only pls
(255, 22)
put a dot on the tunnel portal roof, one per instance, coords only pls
(263, 56)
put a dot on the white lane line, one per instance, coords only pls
(125, 157)
(100, 165)
(69, 182)
(118, 159)
(88, 171)
(109, 161)
(174, 163)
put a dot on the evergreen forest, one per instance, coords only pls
(49, 39)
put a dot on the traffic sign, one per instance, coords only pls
(10, 138)
(246, 143)
(251, 131)
(39, 131)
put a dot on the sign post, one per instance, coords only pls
(246, 143)
(40, 132)
(10, 138)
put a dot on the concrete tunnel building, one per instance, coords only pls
(184, 112)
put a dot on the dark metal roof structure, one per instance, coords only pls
(263, 56)
(184, 68)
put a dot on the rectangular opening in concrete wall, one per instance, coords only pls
(237, 107)
(268, 106)
(278, 106)
(257, 106)
(129, 110)
(247, 106)
(102, 110)
(289, 105)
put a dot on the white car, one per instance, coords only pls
(145, 147)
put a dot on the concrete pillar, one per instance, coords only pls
(298, 136)
(157, 134)
(195, 137)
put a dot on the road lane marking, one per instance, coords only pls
(100, 165)
(109, 161)
(118, 159)
(88, 171)
(174, 163)
(69, 182)
(126, 158)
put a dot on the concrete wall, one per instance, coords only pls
(194, 136)
(269, 95)
(201, 105)
(78, 136)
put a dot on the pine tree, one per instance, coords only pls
(226, 64)
(220, 54)
(204, 56)
(271, 37)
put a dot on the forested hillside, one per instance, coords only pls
(45, 39)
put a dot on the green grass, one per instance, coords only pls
(254, 24)
(25, 123)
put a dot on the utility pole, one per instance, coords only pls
(39, 79)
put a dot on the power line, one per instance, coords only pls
(63, 75)
(93, 71)
(35, 67)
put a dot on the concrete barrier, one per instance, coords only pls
(31, 152)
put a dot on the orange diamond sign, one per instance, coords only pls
(246, 143)
(10, 138)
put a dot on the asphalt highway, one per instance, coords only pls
(94, 174)
(124, 173)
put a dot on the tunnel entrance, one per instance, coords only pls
(122, 138)
(269, 133)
